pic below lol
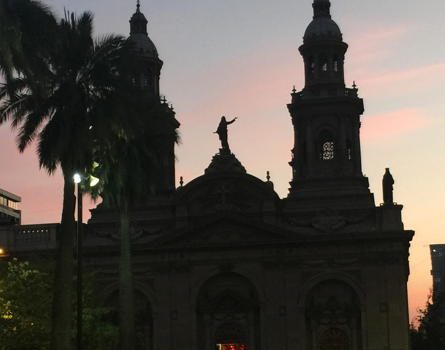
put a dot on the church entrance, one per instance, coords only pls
(231, 336)
(228, 314)
(333, 317)
(231, 346)
(143, 324)
(334, 339)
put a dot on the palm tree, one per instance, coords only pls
(27, 32)
(58, 106)
(128, 165)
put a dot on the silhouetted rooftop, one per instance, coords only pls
(139, 37)
(323, 28)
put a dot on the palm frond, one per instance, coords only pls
(30, 127)
(15, 108)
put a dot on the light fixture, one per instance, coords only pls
(93, 181)
(2, 251)
(77, 178)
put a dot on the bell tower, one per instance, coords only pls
(326, 159)
(150, 65)
(147, 76)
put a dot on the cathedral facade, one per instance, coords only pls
(224, 263)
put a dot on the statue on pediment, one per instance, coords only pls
(222, 133)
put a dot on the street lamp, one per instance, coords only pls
(77, 180)
(93, 181)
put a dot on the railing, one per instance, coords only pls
(351, 92)
(296, 96)
(32, 237)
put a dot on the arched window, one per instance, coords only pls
(348, 150)
(327, 146)
(311, 65)
(336, 64)
(328, 150)
(324, 66)
(323, 63)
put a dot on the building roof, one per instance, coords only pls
(10, 196)
(139, 36)
(322, 27)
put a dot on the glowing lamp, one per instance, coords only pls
(93, 181)
(77, 178)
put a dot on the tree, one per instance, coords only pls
(25, 299)
(430, 334)
(127, 168)
(25, 304)
(58, 104)
(27, 30)
(77, 104)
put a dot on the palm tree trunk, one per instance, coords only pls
(62, 313)
(126, 289)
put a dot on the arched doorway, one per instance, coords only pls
(333, 317)
(228, 314)
(144, 323)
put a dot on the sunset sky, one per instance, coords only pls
(240, 58)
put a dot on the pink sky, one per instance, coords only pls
(242, 67)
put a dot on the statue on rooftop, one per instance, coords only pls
(388, 182)
(222, 133)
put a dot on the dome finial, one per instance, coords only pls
(322, 8)
(138, 22)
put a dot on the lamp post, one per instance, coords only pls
(79, 194)
(93, 181)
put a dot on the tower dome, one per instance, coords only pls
(139, 36)
(322, 27)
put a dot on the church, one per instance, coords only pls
(223, 262)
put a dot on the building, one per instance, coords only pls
(224, 262)
(10, 216)
(438, 271)
(9, 208)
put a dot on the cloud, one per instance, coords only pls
(408, 79)
(374, 61)
(372, 45)
(393, 124)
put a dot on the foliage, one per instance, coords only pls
(23, 25)
(25, 305)
(25, 299)
(80, 75)
(430, 334)
(126, 163)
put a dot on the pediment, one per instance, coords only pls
(224, 232)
